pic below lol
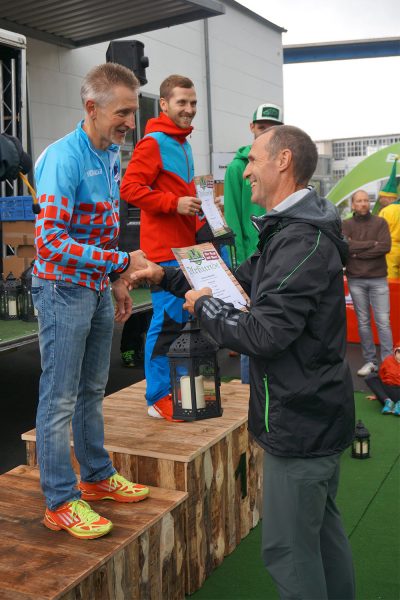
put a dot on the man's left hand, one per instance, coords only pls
(193, 295)
(123, 301)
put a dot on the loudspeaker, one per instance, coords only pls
(130, 54)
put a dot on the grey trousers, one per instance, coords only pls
(304, 546)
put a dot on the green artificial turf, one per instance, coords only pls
(368, 498)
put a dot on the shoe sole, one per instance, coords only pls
(93, 497)
(91, 536)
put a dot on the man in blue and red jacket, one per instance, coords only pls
(76, 242)
(160, 181)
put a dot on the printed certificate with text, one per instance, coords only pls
(205, 193)
(203, 267)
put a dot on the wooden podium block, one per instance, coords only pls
(141, 558)
(213, 460)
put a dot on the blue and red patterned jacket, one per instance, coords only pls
(78, 225)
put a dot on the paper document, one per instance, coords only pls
(203, 267)
(205, 193)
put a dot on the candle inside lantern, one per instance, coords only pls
(12, 308)
(186, 393)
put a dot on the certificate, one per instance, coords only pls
(205, 193)
(203, 267)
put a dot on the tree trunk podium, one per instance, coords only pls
(142, 558)
(213, 460)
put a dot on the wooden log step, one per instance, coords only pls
(141, 558)
(214, 460)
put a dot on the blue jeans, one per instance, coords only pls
(366, 294)
(75, 334)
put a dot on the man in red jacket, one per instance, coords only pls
(159, 181)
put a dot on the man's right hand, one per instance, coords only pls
(189, 205)
(153, 273)
(138, 262)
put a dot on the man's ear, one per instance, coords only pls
(163, 105)
(285, 159)
(252, 128)
(91, 108)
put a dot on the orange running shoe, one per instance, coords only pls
(163, 409)
(116, 488)
(78, 519)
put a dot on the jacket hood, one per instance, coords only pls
(316, 211)
(167, 126)
(243, 153)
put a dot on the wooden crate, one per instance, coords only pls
(213, 460)
(141, 559)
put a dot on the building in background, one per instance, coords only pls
(338, 157)
(235, 60)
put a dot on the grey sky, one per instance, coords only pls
(340, 98)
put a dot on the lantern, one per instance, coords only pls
(194, 375)
(26, 309)
(10, 297)
(361, 443)
(2, 297)
(225, 246)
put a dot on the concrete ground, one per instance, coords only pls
(19, 381)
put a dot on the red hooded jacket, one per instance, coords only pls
(160, 171)
(389, 371)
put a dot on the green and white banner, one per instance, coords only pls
(373, 168)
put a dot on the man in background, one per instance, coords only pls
(238, 207)
(160, 181)
(369, 241)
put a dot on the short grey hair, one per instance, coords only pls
(303, 149)
(99, 83)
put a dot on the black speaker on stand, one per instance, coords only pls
(130, 54)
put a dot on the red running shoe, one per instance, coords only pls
(115, 488)
(163, 409)
(78, 519)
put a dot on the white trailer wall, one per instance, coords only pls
(245, 70)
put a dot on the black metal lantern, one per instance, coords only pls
(26, 309)
(225, 246)
(361, 443)
(2, 297)
(194, 375)
(11, 297)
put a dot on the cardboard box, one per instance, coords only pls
(26, 251)
(16, 265)
(19, 233)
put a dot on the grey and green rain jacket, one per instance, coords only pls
(301, 394)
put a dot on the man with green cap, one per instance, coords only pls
(238, 207)
(389, 199)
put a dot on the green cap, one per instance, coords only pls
(268, 112)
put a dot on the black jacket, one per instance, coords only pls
(301, 394)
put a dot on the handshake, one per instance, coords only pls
(141, 271)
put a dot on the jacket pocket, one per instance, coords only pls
(266, 403)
